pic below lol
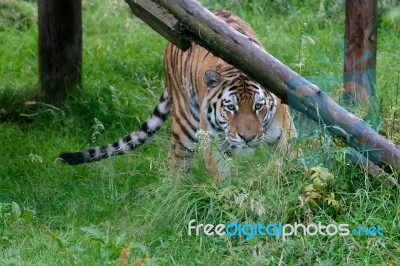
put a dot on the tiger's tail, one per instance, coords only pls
(126, 144)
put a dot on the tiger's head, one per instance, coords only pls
(236, 108)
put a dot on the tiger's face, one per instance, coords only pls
(238, 109)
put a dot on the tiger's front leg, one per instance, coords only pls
(180, 160)
(182, 148)
(213, 156)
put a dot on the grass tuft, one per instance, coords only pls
(18, 15)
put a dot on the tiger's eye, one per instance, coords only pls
(257, 106)
(230, 107)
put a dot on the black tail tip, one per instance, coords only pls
(72, 158)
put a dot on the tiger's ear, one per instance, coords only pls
(212, 79)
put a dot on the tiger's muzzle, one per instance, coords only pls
(245, 140)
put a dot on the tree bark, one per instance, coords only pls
(161, 21)
(238, 50)
(60, 47)
(359, 78)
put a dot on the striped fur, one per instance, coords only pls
(204, 92)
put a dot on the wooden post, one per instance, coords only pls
(60, 47)
(359, 79)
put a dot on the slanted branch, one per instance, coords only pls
(160, 20)
(215, 35)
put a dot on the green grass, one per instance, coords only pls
(53, 214)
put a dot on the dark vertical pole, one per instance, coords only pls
(60, 47)
(360, 56)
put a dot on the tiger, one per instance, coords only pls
(204, 93)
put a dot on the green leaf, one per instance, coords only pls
(16, 210)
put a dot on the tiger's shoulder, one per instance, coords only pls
(235, 22)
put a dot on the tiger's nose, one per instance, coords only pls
(247, 137)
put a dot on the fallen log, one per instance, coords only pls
(240, 51)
